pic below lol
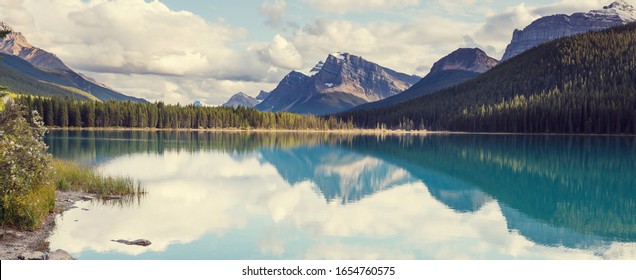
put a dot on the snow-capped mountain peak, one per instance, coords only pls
(339, 55)
(623, 9)
(340, 82)
(5, 27)
(553, 27)
(620, 5)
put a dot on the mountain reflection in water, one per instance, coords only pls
(216, 195)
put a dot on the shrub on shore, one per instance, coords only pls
(28, 211)
(29, 177)
(26, 194)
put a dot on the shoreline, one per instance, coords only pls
(15, 243)
(335, 131)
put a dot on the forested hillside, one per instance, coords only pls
(23, 84)
(581, 84)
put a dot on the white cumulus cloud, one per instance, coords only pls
(145, 49)
(281, 53)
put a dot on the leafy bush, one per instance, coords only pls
(29, 177)
(26, 194)
(28, 211)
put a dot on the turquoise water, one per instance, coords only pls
(317, 196)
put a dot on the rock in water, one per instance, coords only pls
(138, 242)
(60, 255)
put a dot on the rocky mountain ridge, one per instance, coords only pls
(16, 44)
(457, 67)
(241, 99)
(466, 59)
(50, 69)
(341, 82)
(557, 26)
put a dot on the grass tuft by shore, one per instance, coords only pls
(71, 177)
(28, 211)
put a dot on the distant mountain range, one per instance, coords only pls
(345, 82)
(242, 99)
(336, 84)
(262, 96)
(16, 44)
(466, 64)
(558, 26)
(580, 84)
(463, 90)
(455, 68)
(340, 83)
(28, 69)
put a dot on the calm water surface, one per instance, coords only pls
(315, 196)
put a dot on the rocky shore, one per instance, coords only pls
(32, 245)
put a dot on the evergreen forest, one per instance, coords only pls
(581, 84)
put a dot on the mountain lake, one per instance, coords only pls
(291, 196)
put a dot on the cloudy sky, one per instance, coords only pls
(187, 50)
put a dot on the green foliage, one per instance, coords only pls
(72, 113)
(25, 191)
(581, 84)
(71, 177)
(2, 95)
(27, 181)
(29, 210)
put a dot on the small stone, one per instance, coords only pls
(85, 209)
(88, 197)
(138, 242)
(60, 255)
(37, 255)
(141, 242)
(113, 197)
